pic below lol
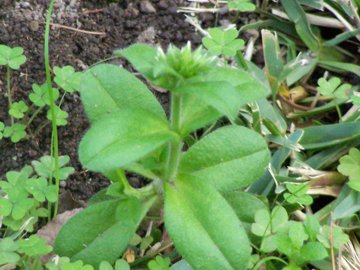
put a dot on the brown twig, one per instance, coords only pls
(78, 30)
(292, 104)
(92, 11)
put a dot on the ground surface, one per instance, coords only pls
(22, 24)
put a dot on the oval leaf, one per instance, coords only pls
(107, 88)
(101, 232)
(229, 158)
(204, 228)
(122, 138)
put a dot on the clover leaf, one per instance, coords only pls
(119, 265)
(350, 166)
(223, 41)
(297, 194)
(16, 132)
(241, 5)
(12, 57)
(65, 264)
(34, 246)
(45, 167)
(5, 207)
(339, 238)
(61, 116)
(8, 248)
(67, 78)
(40, 95)
(2, 127)
(159, 263)
(41, 190)
(18, 109)
(333, 88)
(266, 224)
(312, 227)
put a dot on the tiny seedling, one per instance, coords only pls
(131, 132)
(67, 78)
(12, 58)
(333, 88)
(159, 263)
(16, 132)
(350, 166)
(18, 109)
(223, 42)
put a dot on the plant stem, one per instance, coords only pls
(37, 111)
(8, 87)
(242, 60)
(175, 145)
(54, 141)
(338, 112)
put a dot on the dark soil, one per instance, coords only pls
(22, 24)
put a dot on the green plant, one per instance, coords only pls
(12, 58)
(241, 5)
(350, 166)
(159, 263)
(301, 242)
(223, 42)
(66, 78)
(129, 132)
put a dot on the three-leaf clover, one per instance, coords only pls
(67, 78)
(16, 132)
(45, 167)
(350, 166)
(18, 109)
(17, 202)
(333, 88)
(2, 127)
(41, 190)
(40, 95)
(266, 224)
(8, 248)
(34, 246)
(159, 263)
(12, 57)
(297, 194)
(223, 41)
(61, 116)
(241, 5)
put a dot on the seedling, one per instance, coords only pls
(333, 88)
(130, 132)
(18, 109)
(67, 78)
(223, 42)
(159, 263)
(16, 132)
(61, 116)
(350, 166)
(12, 58)
(301, 242)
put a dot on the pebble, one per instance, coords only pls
(34, 26)
(163, 4)
(147, 7)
